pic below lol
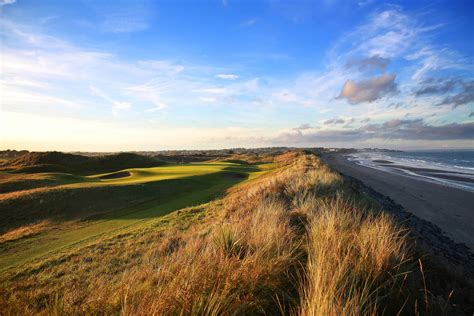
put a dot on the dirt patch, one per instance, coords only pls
(116, 175)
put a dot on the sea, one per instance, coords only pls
(451, 168)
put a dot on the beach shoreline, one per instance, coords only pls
(449, 208)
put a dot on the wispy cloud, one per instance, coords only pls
(395, 129)
(455, 91)
(151, 93)
(334, 121)
(393, 34)
(435, 59)
(363, 3)
(431, 86)
(24, 82)
(49, 74)
(369, 63)
(303, 127)
(465, 96)
(5, 2)
(117, 106)
(162, 65)
(122, 16)
(227, 76)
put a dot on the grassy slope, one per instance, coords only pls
(174, 187)
(138, 175)
(36, 162)
(297, 240)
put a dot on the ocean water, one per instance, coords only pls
(450, 168)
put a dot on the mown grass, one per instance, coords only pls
(106, 209)
(296, 240)
(13, 182)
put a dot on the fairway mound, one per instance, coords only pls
(53, 157)
(183, 158)
(72, 163)
(11, 184)
(116, 175)
(237, 161)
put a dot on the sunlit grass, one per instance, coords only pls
(199, 183)
(295, 240)
(355, 261)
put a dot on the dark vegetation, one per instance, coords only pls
(78, 164)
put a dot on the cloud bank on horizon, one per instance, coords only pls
(145, 75)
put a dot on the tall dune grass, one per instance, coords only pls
(344, 260)
(243, 266)
(294, 241)
(355, 262)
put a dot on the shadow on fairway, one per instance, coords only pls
(127, 201)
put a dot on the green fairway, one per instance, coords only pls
(143, 175)
(161, 190)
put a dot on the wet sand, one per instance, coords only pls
(449, 208)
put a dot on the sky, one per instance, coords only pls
(156, 75)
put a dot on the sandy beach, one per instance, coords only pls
(449, 208)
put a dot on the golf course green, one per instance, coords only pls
(121, 200)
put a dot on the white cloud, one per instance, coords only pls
(162, 66)
(227, 76)
(27, 100)
(122, 16)
(24, 82)
(207, 99)
(156, 108)
(5, 2)
(117, 106)
(65, 72)
(213, 90)
(150, 93)
(394, 34)
(42, 61)
(431, 59)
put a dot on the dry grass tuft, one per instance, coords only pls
(24, 231)
(356, 261)
(241, 267)
(296, 240)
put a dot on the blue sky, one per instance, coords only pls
(150, 75)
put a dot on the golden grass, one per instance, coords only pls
(231, 269)
(354, 261)
(250, 262)
(25, 231)
(293, 241)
